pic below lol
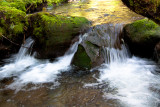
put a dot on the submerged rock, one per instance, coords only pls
(54, 33)
(142, 37)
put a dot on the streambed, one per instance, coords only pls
(127, 81)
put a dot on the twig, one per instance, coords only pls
(13, 42)
(29, 7)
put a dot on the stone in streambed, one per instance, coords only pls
(54, 33)
(142, 37)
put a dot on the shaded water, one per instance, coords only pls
(122, 81)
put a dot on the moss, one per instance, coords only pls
(55, 31)
(1, 31)
(147, 8)
(81, 59)
(62, 27)
(12, 20)
(143, 30)
(25, 4)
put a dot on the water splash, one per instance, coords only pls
(132, 82)
(26, 69)
(24, 50)
(128, 80)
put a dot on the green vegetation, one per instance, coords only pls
(24, 5)
(12, 21)
(52, 31)
(62, 27)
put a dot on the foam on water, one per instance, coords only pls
(132, 81)
(128, 80)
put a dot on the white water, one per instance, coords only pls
(133, 82)
(130, 80)
(26, 69)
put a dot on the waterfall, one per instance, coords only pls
(115, 51)
(130, 80)
(25, 49)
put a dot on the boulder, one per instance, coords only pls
(93, 45)
(81, 59)
(142, 37)
(53, 34)
(147, 8)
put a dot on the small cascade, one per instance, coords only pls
(116, 50)
(26, 69)
(25, 49)
(115, 55)
(130, 79)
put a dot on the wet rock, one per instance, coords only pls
(12, 28)
(98, 37)
(142, 37)
(54, 33)
(81, 59)
(157, 52)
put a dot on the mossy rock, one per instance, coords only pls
(147, 8)
(54, 33)
(12, 25)
(81, 59)
(142, 36)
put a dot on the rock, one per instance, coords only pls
(54, 33)
(94, 41)
(15, 26)
(147, 8)
(12, 26)
(81, 59)
(157, 52)
(141, 37)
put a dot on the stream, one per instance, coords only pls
(122, 81)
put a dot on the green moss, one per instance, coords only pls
(81, 59)
(55, 31)
(12, 20)
(58, 28)
(143, 30)
(1, 32)
(147, 8)
(24, 4)
(131, 2)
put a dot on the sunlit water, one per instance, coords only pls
(122, 81)
(99, 11)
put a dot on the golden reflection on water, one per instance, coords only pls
(99, 11)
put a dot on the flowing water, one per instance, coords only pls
(98, 11)
(122, 81)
